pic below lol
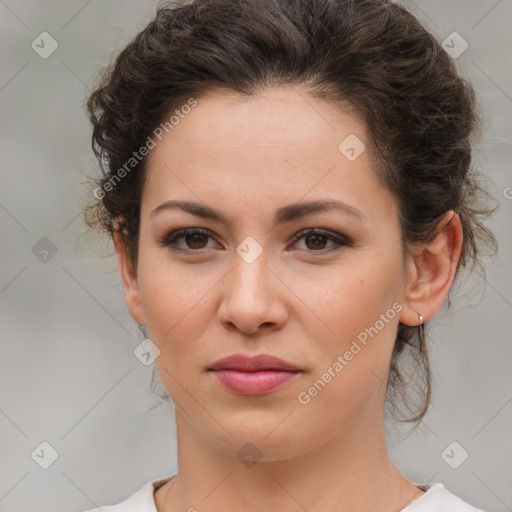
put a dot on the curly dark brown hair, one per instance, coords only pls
(372, 56)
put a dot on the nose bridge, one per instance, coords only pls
(252, 297)
(250, 274)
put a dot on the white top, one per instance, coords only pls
(436, 499)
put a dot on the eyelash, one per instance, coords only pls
(171, 238)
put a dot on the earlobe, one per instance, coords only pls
(129, 280)
(431, 270)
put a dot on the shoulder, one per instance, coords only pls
(439, 499)
(140, 501)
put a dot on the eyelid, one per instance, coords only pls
(339, 240)
(175, 235)
(321, 231)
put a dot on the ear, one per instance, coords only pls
(129, 280)
(430, 271)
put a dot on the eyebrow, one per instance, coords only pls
(283, 215)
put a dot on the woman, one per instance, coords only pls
(287, 185)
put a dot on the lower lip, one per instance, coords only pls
(254, 383)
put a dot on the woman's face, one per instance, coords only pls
(329, 306)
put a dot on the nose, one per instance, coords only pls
(253, 299)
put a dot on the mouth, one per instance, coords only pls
(254, 382)
(260, 362)
(257, 375)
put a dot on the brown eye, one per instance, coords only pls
(315, 240)
(194, 240)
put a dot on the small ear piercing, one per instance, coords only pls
(421, 319)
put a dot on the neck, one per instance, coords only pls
(350, 471)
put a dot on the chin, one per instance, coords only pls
(265, 440)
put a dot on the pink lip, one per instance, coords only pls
(254, 383)
(253, 375)
(255, 363)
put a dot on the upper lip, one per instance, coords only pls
(255, 363)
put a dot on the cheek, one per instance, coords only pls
(359, 304)
(351, 368)
(175, 299)
(354, 295)
(177, 313)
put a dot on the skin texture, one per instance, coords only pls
(304, 301)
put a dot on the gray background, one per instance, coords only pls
(68, 375)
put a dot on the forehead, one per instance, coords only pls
(278, 116)
(280, 144)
